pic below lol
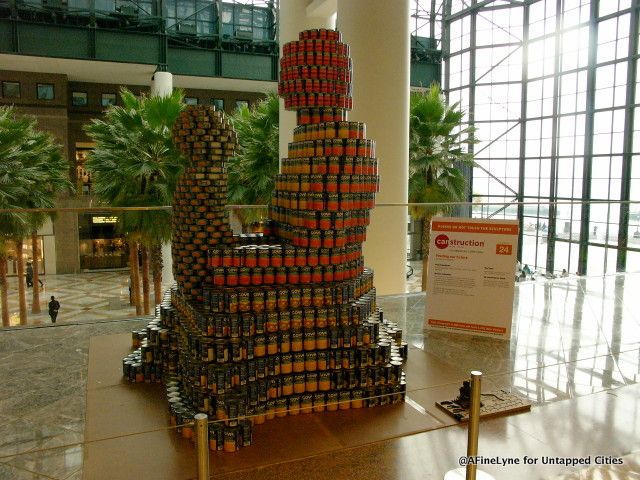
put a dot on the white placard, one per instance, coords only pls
(471, 276)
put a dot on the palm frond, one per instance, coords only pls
(252, 171)
(32, 173)
(437, 144)
(135, 162)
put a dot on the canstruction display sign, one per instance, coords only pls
(470, 281)
(285, 322)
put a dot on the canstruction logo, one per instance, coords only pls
(442, 241)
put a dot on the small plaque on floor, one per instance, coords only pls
(494, 404)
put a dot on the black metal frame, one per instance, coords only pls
(475, 7)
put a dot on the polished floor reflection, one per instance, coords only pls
(574, 352)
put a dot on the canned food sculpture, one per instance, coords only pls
(285, 322)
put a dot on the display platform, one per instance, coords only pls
(118, 411)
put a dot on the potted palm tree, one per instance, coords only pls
(437, 148)
(32, 174)
(135, 163)
(253, 169)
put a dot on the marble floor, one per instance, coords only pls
(574, 352)
(84, 297)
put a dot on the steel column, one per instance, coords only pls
(523, 125)
(627, 153)
(588, 139)
(553, 181)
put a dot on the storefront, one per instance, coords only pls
(27, 255)
(46, 252)
(101, 246)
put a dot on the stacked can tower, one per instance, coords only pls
(199, 218)
(284, 322)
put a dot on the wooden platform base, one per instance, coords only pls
(117, 413)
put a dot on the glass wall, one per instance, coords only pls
(551, 87)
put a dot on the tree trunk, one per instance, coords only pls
(426, 229)
(35, 303)
(22, 294)
(4, 294)
(132, 300)
(145, 279)
(156, 269)
(135, 275)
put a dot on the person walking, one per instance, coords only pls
(30, 275)
(54, 306)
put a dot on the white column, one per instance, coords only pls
(167, 264)
(49, 252)
(378, 33)
(161, 83)
(294, 17)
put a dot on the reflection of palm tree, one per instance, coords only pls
(32, 172)
(436, 141)
(136, 164)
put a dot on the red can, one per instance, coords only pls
(275, 257)
(263, 256)
(244, 276)
(268, 276)
(337, 148)
(215, 257)
(227, 257)
(344, 183)
(312, 257)
(293, 275)
(333, 202)
(219, 277)
(338, 273)
(281, 276)
(318, 201)
(327, 274)
(328, 240)
(289, 257)
(325, 221)
(324, 256)
(316, 274)
(256, 276)
(305, 275)
(315, 237)
(300, 257)
(250, 257)
(232, 276)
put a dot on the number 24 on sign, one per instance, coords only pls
(504, 249)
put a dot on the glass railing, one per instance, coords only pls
(99, 393)
(83, 260)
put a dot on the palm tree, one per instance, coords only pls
(252, 171)
(135, 163)
(436, 150)
(32, 173)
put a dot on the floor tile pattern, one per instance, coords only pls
(84, 297)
